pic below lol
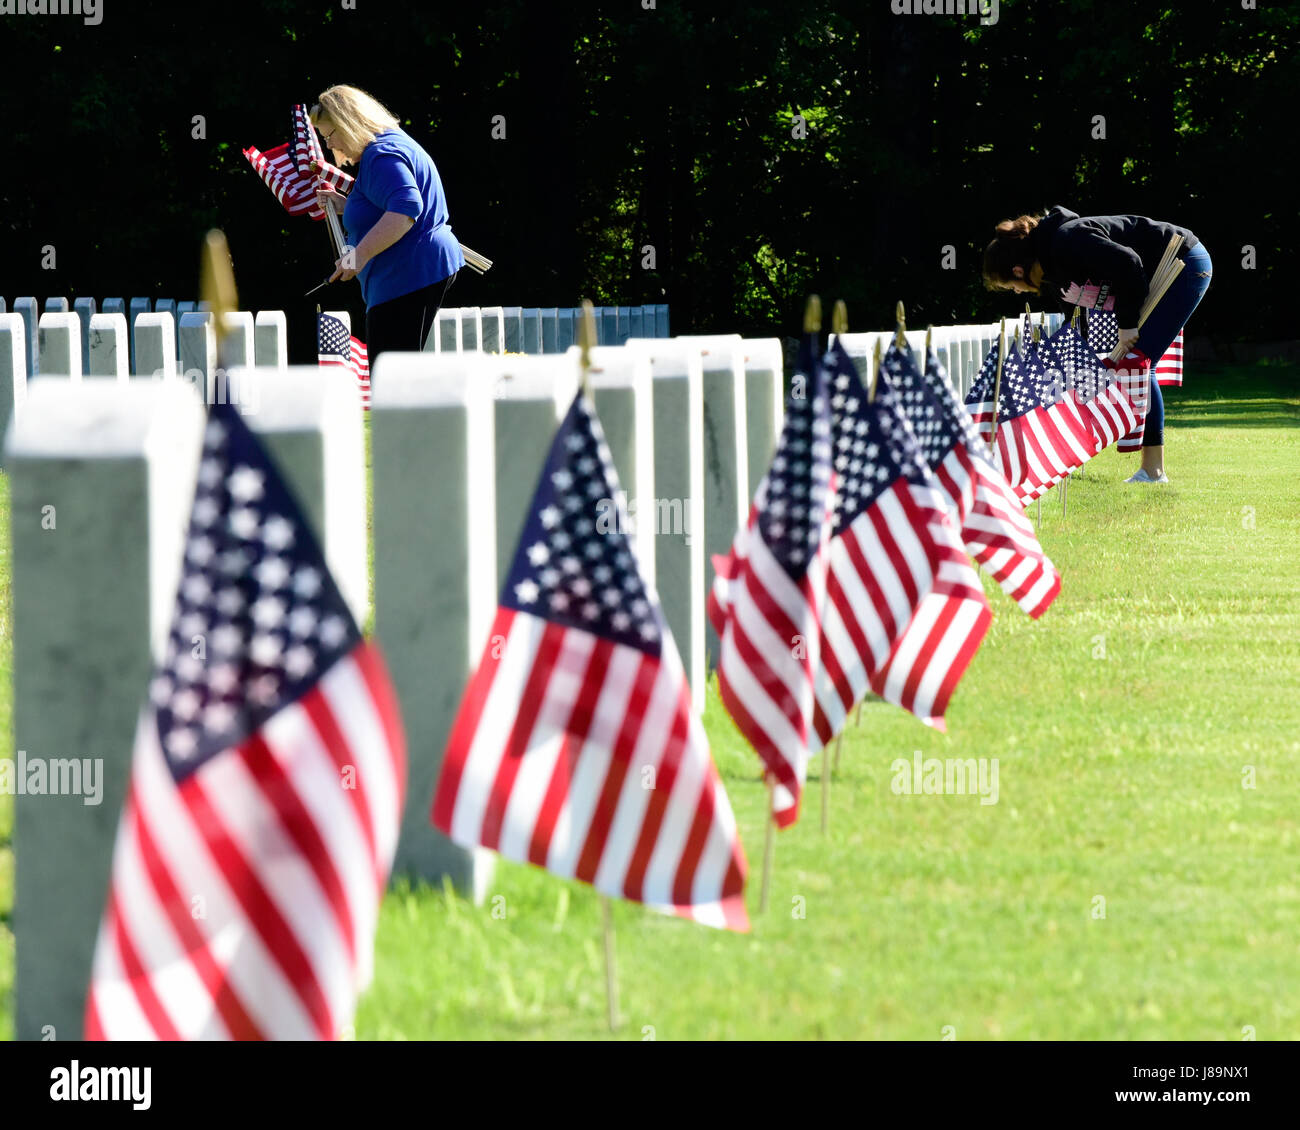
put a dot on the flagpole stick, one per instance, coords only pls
(336, 231)
(586, 340)
(217, 287)
(611, 973)
(997, 381)
(1074, 323)
(767, 848)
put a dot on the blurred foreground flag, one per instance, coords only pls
(575, 747)
(266, 785)
(992, 522)
(769, 592)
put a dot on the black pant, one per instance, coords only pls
(403, 323)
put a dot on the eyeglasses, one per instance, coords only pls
(326, 138)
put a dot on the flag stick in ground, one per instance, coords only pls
(767, 847)
(586, 339)
(840, 324)
(611, 973)
(997, 381)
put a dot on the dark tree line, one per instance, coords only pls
(762, 150)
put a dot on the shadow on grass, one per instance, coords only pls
(1236, 396)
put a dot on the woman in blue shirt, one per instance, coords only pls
(395, 218)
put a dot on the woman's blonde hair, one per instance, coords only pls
(357, 117)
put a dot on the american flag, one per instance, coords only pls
(277, 169)
(1107, 408)
(1103, 336)
(1040, 438)
(266, 785)
(768, 594)
(575, 747)
(979, 397)
(309, 157)
(335, 345)
(992, 522)
(905, 612)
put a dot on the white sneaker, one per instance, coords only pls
(1143, 477)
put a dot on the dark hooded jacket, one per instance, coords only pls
(1117, 252)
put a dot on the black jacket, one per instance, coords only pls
(1121, 252)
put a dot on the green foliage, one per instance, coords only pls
(670, 127)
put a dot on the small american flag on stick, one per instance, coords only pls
(335, 345)
(266, 785)
(906, 612)
(1107, 408)
(769, 592)
(575, 747)
(992, 522)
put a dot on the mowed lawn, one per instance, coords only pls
(1124, 886)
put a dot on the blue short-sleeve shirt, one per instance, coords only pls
(396, 175)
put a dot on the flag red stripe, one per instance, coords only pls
(620, 761)
(652, 821)
(259, 907)
(461, 738)
(520, 733)
(174, 905)
(138, 976)
(575, 737)
(298, 825)
(336, 745)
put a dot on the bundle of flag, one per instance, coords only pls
(278, 171)
(309, 157)
(266, 785)
(1041, 433)
(575, 747)
(992, 523)
(770, 590)
(295, 171)
(1106, 406)
(905, 612)
(335, 345)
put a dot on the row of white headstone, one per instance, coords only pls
(532, 329)
(101, 479)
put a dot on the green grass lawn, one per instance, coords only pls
(1125, 723)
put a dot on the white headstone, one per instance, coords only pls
(155, 345)
(109, 354)
(270, 340)
(26, 309)
(60, 345)
(84, 308)
(446, 333)
(13, 369)
(531, 322)
(726, 451)
(435, 573)
(471, 329)
(513, 319)
(102, 478)
(494, 334)
(198, 345)
(532, 395)
(237, 347)
(677, 388)
(764, 404)
(309, 417)
(620, 389)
